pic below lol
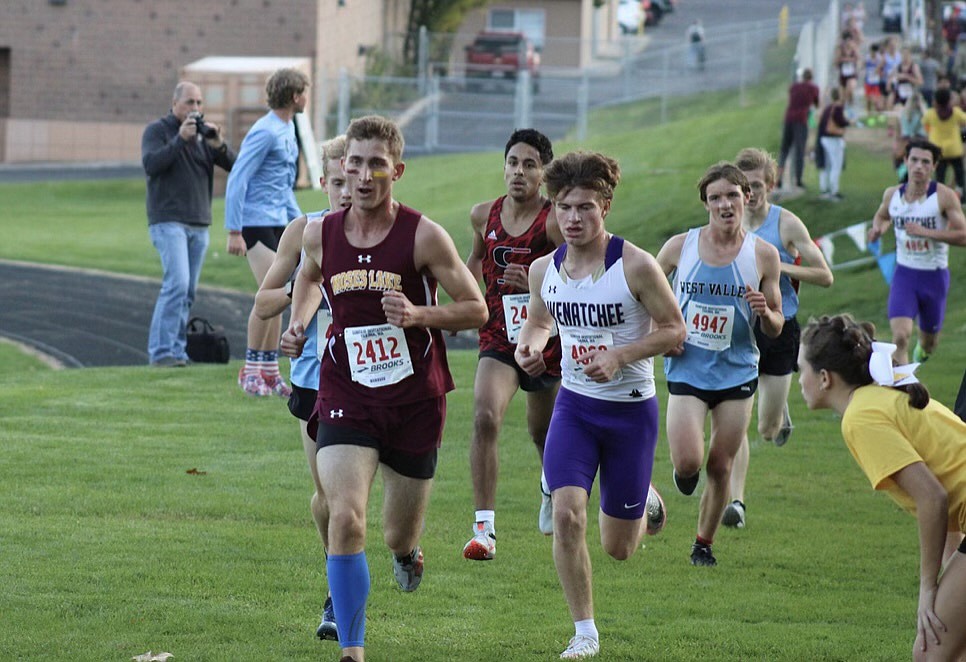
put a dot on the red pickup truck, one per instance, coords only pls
(501, 55)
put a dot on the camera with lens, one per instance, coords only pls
(204, 131)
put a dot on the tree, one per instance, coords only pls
(442, 16)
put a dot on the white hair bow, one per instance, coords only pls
(882, 371)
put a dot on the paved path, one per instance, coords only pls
(83, 318)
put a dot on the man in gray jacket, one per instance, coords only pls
(179, 153)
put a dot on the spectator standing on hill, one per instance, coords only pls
(944, 123)
(259, 203)
(803, 96)
(273, 297)
(801, 261)
(908, 446)
(927, 218)
(384, 374)
(695, 39)
(509, 233)
(831, 135)
(725, 278)
(179, 153)
(615, 312)
(957, 69)
(910, 128)
(930, 68)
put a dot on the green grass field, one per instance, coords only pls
(111, 547)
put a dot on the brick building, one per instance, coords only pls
(79, 79)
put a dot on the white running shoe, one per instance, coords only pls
(786, 430)
(408, 571)
(654, 511)
(580, 646)
(482, 546)
(734, 515)
(545, 521)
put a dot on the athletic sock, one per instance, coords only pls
(349, 586)
(586, 628)
(486, 516)
(258, 361)
(702, 541)
(269, 363)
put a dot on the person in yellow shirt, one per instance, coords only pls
(943, 123)
(908, 446)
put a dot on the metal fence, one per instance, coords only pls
(442, 110)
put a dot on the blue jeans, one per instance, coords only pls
(182, 249)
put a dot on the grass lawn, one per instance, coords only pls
(165, 510)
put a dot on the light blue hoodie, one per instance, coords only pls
(259, 192)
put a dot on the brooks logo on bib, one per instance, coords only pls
(709, 326)
(378, 355)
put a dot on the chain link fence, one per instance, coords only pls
(442, 109)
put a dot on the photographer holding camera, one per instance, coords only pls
(179, 153)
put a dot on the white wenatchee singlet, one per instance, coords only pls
(600, 315)
(919, 252)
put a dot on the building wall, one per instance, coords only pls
(97, 60)
(85, 76)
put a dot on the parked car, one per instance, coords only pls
(501, 55)
(892, 16)
(630, 16)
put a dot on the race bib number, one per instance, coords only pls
(904, 90)
(378, 355)
(709, 327)
(578, 343)
(917, 245)
(848, 68)
(323, 320)
(515, 314)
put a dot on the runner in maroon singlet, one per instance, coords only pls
(509, 233)
(382, 401)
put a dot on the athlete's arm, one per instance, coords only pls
(882, 220)
(649, 285)
(932, 514)
(435, 251)
(670, 253)
(272, 298)
(538, 326)
(478, 217)
(766, 302)
(554, 233)
(304, 300)
(813, 269)
(951, 208)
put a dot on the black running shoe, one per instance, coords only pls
(701, 555)
(686, 484)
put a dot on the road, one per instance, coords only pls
(482, 120)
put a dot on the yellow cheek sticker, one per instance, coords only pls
(379, 174)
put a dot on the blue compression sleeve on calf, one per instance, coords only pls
(349, 585)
